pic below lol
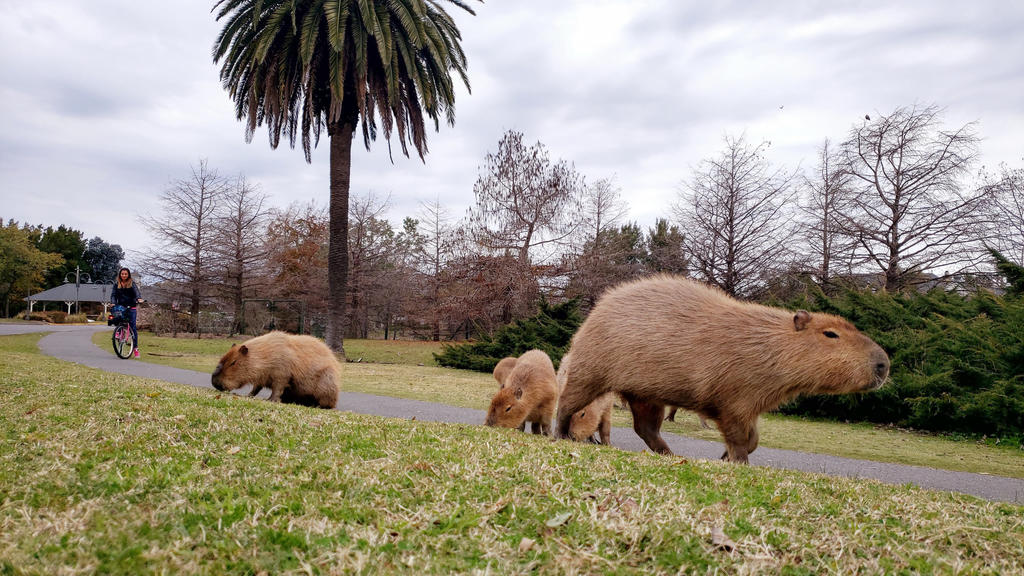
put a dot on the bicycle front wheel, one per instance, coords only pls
(122, 341)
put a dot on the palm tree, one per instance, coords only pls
(299, 66)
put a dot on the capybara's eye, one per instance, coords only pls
(232, 363)
(507, 408)
(830, 334)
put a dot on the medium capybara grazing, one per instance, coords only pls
(502, 368)
(594, 419)
(296, 369)
(668, 340)
(529, 395)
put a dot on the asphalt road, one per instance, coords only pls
(74, 344)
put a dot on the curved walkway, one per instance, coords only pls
(74, 344)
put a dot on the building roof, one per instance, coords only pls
(66, 293)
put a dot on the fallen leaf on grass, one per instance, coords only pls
(152, 394)
(720, 541)
(558, 520)
(525, 544)
(234, 450)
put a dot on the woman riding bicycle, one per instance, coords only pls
(126, 293)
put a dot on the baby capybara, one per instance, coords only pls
(595, 419)
(502, 368)
(668, 340)
(296, 369)
(529, 395)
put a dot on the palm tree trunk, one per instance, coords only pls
(337, 253)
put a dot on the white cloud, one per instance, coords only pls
(103, 103)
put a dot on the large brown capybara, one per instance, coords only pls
(502, 368)
(668, 340)
(594, 423)
(296, 369)
(529, 395)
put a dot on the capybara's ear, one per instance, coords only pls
(519, 393)
(244, 349)
(801, 320)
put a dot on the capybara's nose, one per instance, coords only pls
(216, 382)
(882, 370)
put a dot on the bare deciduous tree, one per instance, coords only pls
(239, 244)
(1007, 217)
(523, 200)
(734, 215)
(597, 261)
(432, 251)
(910, 213)
(297, 239)
(371, 242)
(826, 196)
(524, 204)
(184, 234)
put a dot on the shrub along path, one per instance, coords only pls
(73, 344)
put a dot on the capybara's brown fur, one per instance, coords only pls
(529, 395)
(668, 340)
(296, 369)
(593, 423)
(502, 368)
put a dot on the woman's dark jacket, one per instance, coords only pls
(127, 297)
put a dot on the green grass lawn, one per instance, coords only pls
(103, 473)
(392, 368)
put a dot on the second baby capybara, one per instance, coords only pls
(595, 419)
(528, 395)
(668, 340)
(296, 369)
(502, 368)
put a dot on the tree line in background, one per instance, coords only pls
(891, 207)
(33, 258)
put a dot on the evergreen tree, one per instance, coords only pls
(1013, 273)
(550, 330)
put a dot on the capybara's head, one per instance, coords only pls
(502, 369)
(584, 423)
(232, 370)
(836, 356)
(507, 408)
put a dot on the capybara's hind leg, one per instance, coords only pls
(324, 399)
(647, 417)
(737, 436)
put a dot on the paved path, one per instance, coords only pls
(74, 344)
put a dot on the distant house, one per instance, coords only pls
(69, 294)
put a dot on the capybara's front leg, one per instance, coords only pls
(752, 438)
(256, 388)
(276, 389)
(737, 435)
(605, 430)
(535, 427)
(672, 414)
(647, 418)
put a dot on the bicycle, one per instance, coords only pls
(123, 338)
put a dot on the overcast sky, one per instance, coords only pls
(103, 103)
